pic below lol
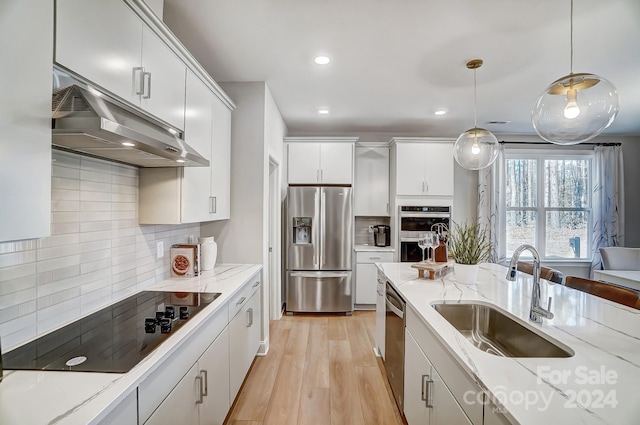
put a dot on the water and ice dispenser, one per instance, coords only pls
(301, 230)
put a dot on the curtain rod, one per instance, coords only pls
(505, 142)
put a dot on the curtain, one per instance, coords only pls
(491, 202)
(608, 201)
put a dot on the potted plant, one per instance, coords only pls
(469, 245)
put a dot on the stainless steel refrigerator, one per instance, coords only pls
(319, 249)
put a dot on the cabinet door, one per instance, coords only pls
(196, 185)
(26, 28)
(180, 405)
(304, 163)
(371, 186)
(417, 370)
(214, 367)
(439, 169)
(220, 162)
(366, 284)
(380, 315)
(101, 41)
(164, 80)
(244, 340)
(254, 312)
(410, 169)
(336, 163)
(125, 413)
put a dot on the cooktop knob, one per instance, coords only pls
(170, 312)
(184, 312)
(165, 326)
(150, 325)
(159, 316)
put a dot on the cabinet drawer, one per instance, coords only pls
(374, 257)
(240, 299)
(456, 379)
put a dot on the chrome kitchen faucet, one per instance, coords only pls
(537, 313)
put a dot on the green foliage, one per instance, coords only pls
(469, 243)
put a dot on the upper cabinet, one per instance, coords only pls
(116, 51)
(25, 119)
(314, 160)
(371, 187)
(193, 194)
(423, 167)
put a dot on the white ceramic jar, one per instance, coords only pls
(208, 252)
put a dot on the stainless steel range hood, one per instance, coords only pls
(90, 122)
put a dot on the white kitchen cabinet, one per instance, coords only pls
(125, 413)
(244, 339)
(427, 399)
(192, 194)
(371, 186)
(25, 119)
(381, 314)
(201, 397)
(366, 274)
(424, 168)
(320, 161)
(107, 44)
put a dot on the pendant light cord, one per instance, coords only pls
(571, 37)
(475, 100)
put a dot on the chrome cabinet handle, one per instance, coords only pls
(200, 399)
(374, 258)
(422, 187)
(146, 77)
(249, 317)
(241, 300)
(205, 378)
(213, 204)
(255, 284)
(426, 185)
(426, 391)
(136, 77)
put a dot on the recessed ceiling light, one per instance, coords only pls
(322, 60)
(440, 112)
(498, 122)
(323, 111)
(128, 144)
(180, 160)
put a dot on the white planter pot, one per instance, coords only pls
(466, 273)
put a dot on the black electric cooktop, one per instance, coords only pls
(113, 339)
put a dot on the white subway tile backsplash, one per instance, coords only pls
(97, 252)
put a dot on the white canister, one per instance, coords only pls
(208, 253)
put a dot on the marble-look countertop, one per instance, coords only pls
(373, 248)
(48, 397)
(598, 385)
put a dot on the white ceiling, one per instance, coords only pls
(395, 62)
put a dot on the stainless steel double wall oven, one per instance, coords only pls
(415, 221)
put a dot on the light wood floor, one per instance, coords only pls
(320, 370)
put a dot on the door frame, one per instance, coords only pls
(275, 241)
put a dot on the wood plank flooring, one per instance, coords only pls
(320, 370)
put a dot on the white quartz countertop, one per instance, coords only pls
(373, 248)
(598, 385)
(48, 397)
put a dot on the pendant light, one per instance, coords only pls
(576, 107)
(476, 148)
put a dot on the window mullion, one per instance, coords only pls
(541, 212)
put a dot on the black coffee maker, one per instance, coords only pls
(381, 235)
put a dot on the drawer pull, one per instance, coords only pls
(255, 284)
(200, 390)
(374, 258)
(241, 300)
(206, 382)
(426, 391)
(249, 317)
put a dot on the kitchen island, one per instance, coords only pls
(597, 385)
(49, 397)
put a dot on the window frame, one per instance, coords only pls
(541, 211)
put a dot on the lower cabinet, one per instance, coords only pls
(427, 399)
(244, 341)
(125, 413)
(366, 273)
(381, 314)
(201, 397)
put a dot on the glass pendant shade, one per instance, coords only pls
(475, 149)
(574, 109)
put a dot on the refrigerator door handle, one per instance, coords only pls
(316, 213)
(323, 230)
(319, 274)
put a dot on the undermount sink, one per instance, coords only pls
(495, 332)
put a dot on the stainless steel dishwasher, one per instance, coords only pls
(394, 343)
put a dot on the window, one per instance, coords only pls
(548, 204)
